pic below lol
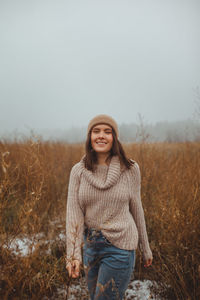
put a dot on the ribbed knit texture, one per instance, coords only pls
(109, 200)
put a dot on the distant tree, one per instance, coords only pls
(142, 134)
(172, 136)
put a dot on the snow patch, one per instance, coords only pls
(26, 245)
(142, 290)
(137, 290)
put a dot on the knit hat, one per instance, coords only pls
(103, 119)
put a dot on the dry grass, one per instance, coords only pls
(33, 188)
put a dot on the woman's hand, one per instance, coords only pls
(148, 262)
(73, 268)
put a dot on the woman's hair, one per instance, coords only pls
(117, 149)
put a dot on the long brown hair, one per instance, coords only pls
(117, 149)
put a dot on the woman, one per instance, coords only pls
(105, 214)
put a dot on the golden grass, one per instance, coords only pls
(33, 189)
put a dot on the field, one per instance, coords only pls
(33, 191)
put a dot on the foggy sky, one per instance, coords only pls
(62, 62)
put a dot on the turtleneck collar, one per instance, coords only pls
(113, 174)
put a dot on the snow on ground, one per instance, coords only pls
(22, 246)
(25, 245)
(137, 290)
(142, 290)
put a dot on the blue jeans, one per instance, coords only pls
(107, 268)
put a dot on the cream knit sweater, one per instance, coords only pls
(107, 199)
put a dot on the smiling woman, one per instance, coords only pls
(101, 140)
(105, 214)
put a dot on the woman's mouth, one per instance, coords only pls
(101, 143)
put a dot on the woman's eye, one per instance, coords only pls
(97, 131)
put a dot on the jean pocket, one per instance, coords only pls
(119, 259)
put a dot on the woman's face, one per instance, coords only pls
(101, 138)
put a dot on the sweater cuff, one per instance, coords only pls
(146, 252)
(72, 258)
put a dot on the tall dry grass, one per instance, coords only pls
(33, 188)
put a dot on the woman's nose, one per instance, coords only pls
(101, 133)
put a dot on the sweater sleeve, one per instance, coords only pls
(137, 212)
(74, 218)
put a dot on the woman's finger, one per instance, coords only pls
(69, 269)
(76, 268)
(148, 263)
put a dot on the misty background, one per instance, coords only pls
(63, 62)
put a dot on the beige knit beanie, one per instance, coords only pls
(103, 119)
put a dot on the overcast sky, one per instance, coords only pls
(62, 62)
